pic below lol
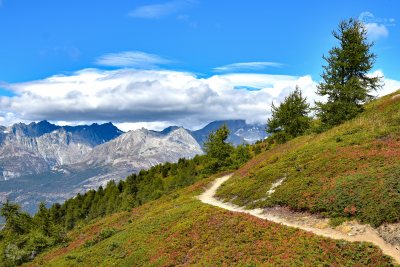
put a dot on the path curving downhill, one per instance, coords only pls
(368, 234)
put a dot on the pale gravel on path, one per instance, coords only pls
(367, 235)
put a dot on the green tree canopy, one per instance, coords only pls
(345, 79)
(217, 149)
(290, 118)
(17, 221)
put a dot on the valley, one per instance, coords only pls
(50, 163)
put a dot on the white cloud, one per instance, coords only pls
(154, 125)
(376, 27)
(148, 96)
(136, 59)
(389, 86)
(156, 11)
(247, 66)
(376, 31)
(153, 98)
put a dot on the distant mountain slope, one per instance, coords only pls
(113, 160)
(38, 147)
(136, 150)
(144, 148)
(240, 132)
(54, 162)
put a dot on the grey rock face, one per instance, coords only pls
(57, 165)
(140, 149)
(39, 147)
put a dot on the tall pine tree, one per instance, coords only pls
(345, 80)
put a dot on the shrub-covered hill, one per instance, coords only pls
(350, 171)
(178, 229)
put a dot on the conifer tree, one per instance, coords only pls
(217, 149)
(17, 221)
(42, 219)
(345, 79)
(290, 119)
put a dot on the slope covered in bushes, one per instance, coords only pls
(350, 171)
(180, 230)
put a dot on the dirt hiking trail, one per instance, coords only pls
(350, 231)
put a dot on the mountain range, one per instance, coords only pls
(46, 162)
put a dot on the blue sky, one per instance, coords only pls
(205, 40)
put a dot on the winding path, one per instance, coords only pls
(367, 235)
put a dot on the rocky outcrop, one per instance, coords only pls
(38, 147)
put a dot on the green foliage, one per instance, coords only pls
(290, 119)
(240, 155)
(23, 237)
(218, 150)
(336, 221)
(17, 222)
(345, 79)
(104, 234)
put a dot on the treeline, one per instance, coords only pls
(24, 236)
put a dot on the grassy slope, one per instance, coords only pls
(179, 229)
(351, 171)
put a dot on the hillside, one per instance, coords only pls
(179, 230)
(349, 172)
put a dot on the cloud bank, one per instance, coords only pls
(137, 96)
(152, 98)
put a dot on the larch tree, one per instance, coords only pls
(345, 79)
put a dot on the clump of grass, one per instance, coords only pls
(336, 221)
(104, 234)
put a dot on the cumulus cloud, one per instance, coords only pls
(152, 98)
(136, 59)
(156, 11)
(389, 86)
(143, 96)
(376, 27)
(258, 65)
(376, 31)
